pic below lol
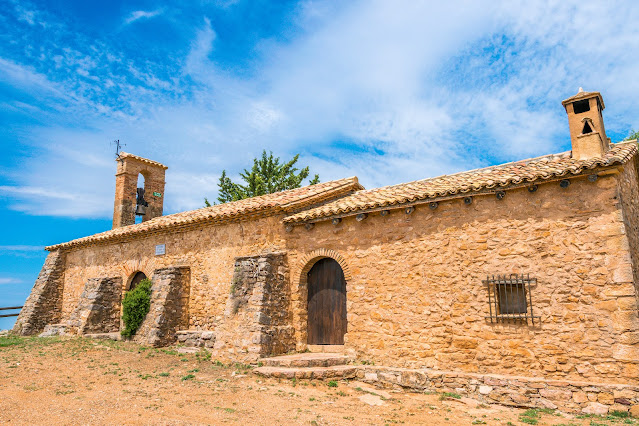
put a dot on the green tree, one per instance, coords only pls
(634, 134)
(266, 176)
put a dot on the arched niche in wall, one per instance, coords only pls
(135, 279)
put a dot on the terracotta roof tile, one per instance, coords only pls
(265, 205)
(531, 170)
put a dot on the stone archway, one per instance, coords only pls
(131, 280)
(131, 267)
(300, 289)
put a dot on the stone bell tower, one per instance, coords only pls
(585, 119)
(126, 192)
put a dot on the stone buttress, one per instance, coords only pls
(44, 304)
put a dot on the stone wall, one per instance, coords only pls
(169, 311)
(568, 396)
(98, 310)
(629, 196)
(416, 297)
(209, 251)
(196, 338)
(257, 318)
(44, 304)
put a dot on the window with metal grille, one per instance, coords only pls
(510, 298)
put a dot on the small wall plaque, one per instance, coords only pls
(157, 194)
(160, 249)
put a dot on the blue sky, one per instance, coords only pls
(388, 91)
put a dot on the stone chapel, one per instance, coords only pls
(523, 271)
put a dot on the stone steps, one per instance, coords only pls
(306, 360)
(334, 349)
(308, 366)
(333, 372)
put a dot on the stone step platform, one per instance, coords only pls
(326, 348)
(306, 360)
(320, 373)
(51, 330)
(196, 338)
(116, 335)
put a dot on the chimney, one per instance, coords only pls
(587, 131)
(126, 192)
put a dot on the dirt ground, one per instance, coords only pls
(80, 381)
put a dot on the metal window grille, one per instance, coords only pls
(509, 298)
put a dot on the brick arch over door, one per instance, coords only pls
(129, 268)
(300, 308)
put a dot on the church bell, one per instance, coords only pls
(141, 203)
(140, 210)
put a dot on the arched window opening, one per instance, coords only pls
(141, 204)
(587, 128)
(137, 278)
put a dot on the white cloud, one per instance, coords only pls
(390, 92)
(4, 280)
(141, 14)
(37, 192)
(197, 60)
(27, 78)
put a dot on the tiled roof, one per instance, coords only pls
(535, 169)
(265, 205)
(142, 159)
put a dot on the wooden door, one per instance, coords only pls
(326, 303)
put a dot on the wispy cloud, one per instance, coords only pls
(141, 14)
(4, 280)
(37, 192)
(21, 248)
(389, 92)
(22, 251)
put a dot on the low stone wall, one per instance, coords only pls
(98, 309)
(196, 338)
(568, 396)
(44, 304)
(169, 310)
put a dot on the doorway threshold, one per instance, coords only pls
(326, 348)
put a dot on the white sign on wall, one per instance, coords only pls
(160, 249)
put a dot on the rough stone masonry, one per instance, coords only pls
(415, 257)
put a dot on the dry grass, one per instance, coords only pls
(75, 380)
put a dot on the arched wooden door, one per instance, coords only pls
(326, 303)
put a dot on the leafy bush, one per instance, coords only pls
(135, 306)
